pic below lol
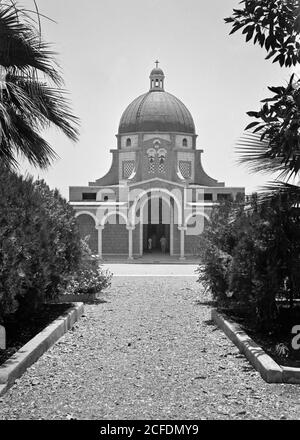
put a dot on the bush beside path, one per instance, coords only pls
(149, 352)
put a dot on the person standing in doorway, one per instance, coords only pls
(150, 244)
(163, 244)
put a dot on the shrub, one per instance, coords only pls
(213, 274)
(39, 243)
(215, 249)
(87, 281)
(250, 257)
(89, 278)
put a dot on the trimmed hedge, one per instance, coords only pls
(39, 243)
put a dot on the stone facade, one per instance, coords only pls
(156, 185)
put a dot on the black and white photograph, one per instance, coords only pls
(149, 215)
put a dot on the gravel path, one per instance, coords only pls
(149, 352)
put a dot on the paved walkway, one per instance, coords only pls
(149, 351)
(154, 270)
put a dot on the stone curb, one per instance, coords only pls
(269, 370)
(82, 297)
(18, 363)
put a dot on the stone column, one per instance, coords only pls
(130, 253)
(171, 229)
(182, 231)
(100, 229)
(141, 236)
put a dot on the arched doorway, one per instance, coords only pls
(157, 213)
(87, 227)
(156, 225)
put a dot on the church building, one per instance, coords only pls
(156, 197)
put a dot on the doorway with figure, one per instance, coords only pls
(157, 226)
(156, 238)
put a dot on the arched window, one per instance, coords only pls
(184, 142)
(128, 142)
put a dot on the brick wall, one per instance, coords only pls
(115, 239)
(191, 244)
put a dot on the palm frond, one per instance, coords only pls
(256, 154)
(286, 194)
(21, 47)
(42, 104)
(28, 103)
(19, 138)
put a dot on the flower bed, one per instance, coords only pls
(17, 364)
(18, 333)
(277, 343)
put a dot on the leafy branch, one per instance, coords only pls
(278, 123)
(273, 24)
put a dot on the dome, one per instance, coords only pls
(157, 71)
(156, 110)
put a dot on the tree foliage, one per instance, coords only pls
(273, 24)
(251, 254)
(39, 243)
(250, 257)
(278, 122)
(31, 94)
(272, 140)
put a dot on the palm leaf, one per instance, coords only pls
(284, 191)
(44, 105)
(21, 47)
(28, 104)
(20, 139)
(255, 152)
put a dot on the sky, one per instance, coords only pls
(106, 50)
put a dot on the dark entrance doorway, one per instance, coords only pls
(155, 232)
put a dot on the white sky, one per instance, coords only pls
(107, 49)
